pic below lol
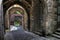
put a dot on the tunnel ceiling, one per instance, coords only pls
(24, 3)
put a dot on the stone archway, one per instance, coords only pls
(11, 10)
(24, 3)
(40, 18)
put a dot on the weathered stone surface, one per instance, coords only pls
(1, 21)
(44, 16)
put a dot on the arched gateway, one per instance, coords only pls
(38, 16)
(16, 11)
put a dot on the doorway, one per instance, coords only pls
(16, 12)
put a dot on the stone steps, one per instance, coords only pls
(57, 33)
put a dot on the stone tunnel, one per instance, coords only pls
(37, 16)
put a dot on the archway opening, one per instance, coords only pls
(16, 16)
